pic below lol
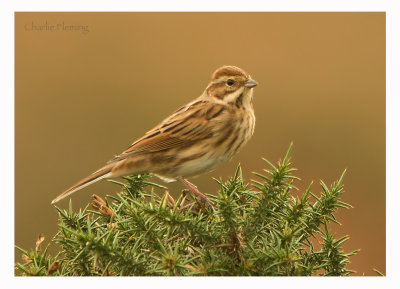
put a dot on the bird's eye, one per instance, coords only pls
(230, 82)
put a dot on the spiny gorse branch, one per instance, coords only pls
(266, 231)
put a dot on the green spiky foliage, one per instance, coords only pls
(258, 230)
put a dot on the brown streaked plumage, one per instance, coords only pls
(196, 138)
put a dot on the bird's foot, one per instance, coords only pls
(196, 192)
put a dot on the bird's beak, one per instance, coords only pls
(250, 83)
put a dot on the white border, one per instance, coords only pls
(7, 117)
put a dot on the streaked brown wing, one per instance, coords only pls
(186, 126)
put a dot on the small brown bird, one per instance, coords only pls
(195, 139)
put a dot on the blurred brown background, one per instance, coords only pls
(82, 97)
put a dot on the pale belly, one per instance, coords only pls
(209, 162)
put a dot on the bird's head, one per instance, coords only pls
(231, 85)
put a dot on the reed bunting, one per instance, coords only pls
(196, 138)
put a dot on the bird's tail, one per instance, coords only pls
(96, 176)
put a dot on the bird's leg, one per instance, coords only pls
(196, 191)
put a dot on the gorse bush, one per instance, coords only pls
(259, 230)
